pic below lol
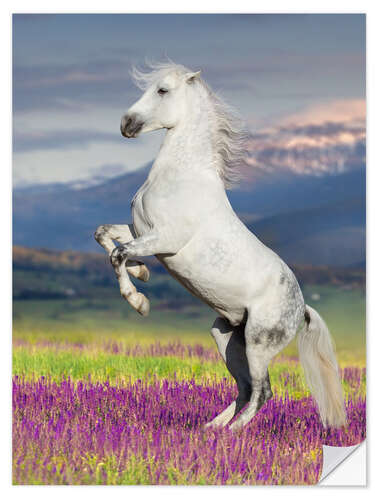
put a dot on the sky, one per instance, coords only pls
(298, 81)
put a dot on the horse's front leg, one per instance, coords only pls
(152, 243)
(105, 235)
(136, 299)
(122, 233)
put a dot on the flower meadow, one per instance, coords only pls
(113, 413)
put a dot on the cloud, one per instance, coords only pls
(70, 164)
(342, 110)
(60, 139)
(323, 139)
(69, 145)
(59, 74)
(56, 86)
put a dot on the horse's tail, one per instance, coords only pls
(317, 356)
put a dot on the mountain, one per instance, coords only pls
(305, 218)
(285, 192)
(65, 217)
(333, 234)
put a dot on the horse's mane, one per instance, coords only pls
(229, 135)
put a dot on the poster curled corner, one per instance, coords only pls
(334, 456)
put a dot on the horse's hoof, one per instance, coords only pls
(213, 425)
(209, 425)
(140, 303)
(144, 307)
(144, 274)
(236, 426)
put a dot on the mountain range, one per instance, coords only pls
(307, 219)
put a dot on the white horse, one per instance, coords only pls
(182, 215)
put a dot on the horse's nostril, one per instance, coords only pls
(125, 124)
(130, 125)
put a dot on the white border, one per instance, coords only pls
(193, 6)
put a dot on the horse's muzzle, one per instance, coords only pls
(131, 126)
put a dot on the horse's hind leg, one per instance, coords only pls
(105, 235)
(261, 347)
(231, 344)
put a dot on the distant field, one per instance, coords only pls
(74, 295)
(86, 320)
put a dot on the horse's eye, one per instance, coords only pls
(162, 91)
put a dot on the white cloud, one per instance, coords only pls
(46, 166)
(64, 165)
(101, 119)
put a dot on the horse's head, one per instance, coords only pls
(163, 103)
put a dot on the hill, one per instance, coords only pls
(307, 219)
(48, 274)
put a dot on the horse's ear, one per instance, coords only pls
(190, 77)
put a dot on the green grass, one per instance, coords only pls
(32, 362)
(100, 366)
(94, 320)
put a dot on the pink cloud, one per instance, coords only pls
(350, 110)
(323, 139)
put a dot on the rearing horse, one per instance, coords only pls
(182, 215)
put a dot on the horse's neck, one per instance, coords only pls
(188, 147)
